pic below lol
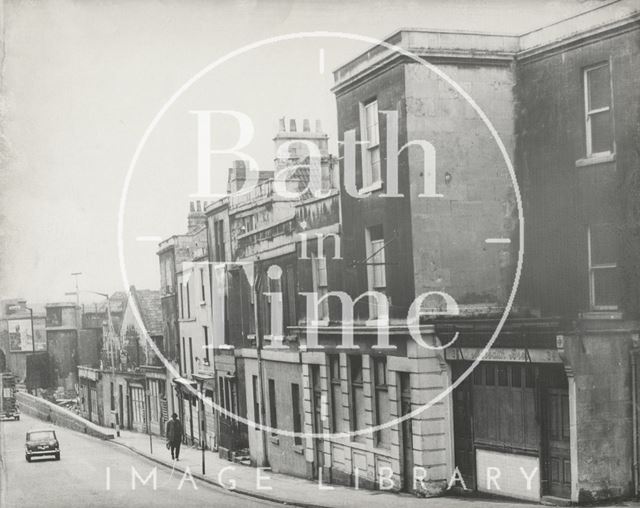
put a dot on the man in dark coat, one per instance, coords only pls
(174, 436)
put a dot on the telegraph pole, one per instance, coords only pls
(76, 275)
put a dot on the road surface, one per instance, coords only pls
(96, 473)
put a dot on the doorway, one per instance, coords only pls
(557, 443)
(318, 444)
(120, 419)
(464, 449)
(407, 432)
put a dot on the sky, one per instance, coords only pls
(82, 81)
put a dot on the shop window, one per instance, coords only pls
(505, 411)
(381, 401)
(516, 376)
(490, 375)
(530, 377)
(503, 377)
(477, 375)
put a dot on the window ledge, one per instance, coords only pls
(203, 303)
(594, 160)
(370, 188)
(298, 449)
(275, 440)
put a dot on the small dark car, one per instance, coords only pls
(41, 442)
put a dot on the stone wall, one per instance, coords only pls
(600, 363)
(49, 412)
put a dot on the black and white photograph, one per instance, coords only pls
(319, 254)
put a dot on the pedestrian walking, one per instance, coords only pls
(174, 436)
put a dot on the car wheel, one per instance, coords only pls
(57, 456)
(28, 458)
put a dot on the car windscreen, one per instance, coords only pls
(41, 435)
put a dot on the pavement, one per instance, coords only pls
(100, 473)
(284, 489)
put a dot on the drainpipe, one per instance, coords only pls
(263, 413)
(634, 394)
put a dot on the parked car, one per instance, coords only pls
(41, 442)
(9, 407)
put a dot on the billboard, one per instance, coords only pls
(21, 339)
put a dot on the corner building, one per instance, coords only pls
(547, 414)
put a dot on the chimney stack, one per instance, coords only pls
(196, 217)
(282, 127)
(305, 125)
(292, 125)
(318, 126)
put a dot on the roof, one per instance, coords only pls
(118, 301)
(148, 302)
(476, 46)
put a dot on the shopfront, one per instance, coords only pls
(511, 425)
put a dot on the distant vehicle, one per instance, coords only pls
(9, 407)
(41, 442)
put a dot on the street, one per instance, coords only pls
(95, 473)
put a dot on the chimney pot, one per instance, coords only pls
(281, 125)
(292, 125)
(318, 126)
(305, 125)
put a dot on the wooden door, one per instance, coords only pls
(407, 432)
(463, 429)
(556, 443)
(318, 444)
